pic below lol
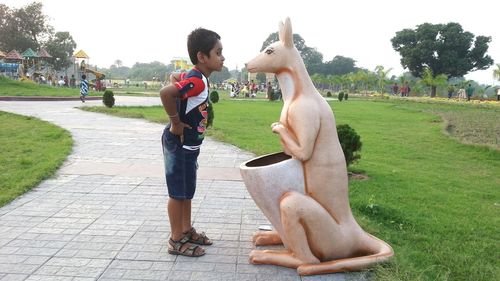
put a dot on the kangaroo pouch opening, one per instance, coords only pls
(268, 160)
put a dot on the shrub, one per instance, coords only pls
(211, 114)
(108, 98)
(214, 97)
(341, 96)
(350, 142)
(346, 96)
(328, 94)
(277, 95)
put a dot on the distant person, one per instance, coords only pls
(498, 94)
(469, 91)
(60, 83)
(186, 101)
(270, 91)
(405, 89)
(84, 88)
(66, 81)
(451, 89)
(232, 92)
(72, 81)
(395, 89)
(253, 88)
(461, 94)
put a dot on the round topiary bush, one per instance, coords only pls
(341, 96)
(277, 94)
(211, 114)
(108, 98)
(214, 97)
(328, 94)
(350, 142)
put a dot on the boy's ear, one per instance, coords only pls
(201, 57)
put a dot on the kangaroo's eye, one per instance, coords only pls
(269, 51)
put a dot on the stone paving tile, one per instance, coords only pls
(13, 277)
(103, 215)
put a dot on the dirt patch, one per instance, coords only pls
(355, 176)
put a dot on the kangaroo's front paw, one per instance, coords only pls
(263, 238)
(276, 127)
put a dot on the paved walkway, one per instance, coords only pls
(103, 215)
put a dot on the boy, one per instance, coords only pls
(84, 88)
(185, 101)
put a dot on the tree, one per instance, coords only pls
(118, 63)
(261, 77)
(496, 72)
(61, 46)
(340, 65)
(433, 81)
(146, 71)
(219, 76)
(23, 28)
(444, 48)
(382, 75)
(313, 59)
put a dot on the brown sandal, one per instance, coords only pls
(184, 248)
(201, 238)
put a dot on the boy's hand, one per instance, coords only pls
(177, 128)
(175, 77)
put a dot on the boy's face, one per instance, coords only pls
(216, 60)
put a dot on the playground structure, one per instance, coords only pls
(11, 70)
(36, 66)
(10, 64)
(27, 65)
(81, 67)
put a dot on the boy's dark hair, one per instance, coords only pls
(201, 40)
(84, 76)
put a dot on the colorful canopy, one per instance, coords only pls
(42, 53)
(2, 54)
(29, 53)
(81, 55)
(13, 55)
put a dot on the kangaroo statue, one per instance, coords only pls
(317, 228)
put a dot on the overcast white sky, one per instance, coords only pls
(155, 30)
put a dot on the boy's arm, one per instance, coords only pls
(168, 95)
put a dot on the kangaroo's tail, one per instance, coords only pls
(350, 264)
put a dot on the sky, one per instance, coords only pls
(156, 30)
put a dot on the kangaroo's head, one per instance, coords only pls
(279, 55)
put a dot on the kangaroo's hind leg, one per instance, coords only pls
(304, 220)
(277, 257)
(264, 238)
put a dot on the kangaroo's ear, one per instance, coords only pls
(286, 35)
(281, 32)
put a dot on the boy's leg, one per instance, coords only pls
(175, 216)
(187, 228)
(186, 216)
(178, 243)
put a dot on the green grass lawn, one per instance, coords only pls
(31, 150)
(434, 199)
(9, 87)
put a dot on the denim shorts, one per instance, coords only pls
(180, 167)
